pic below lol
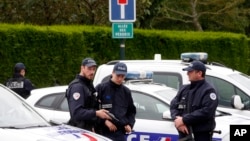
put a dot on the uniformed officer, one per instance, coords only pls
(195, 105)
(117, 99)
(19, 83)
(82, 99)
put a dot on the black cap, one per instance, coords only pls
(19, 66)
(120, 68)
(195, 65)
(89, 62)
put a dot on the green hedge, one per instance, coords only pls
(54, 53)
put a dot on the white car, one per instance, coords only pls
(20, 122)
(151, 101)
(227, 81)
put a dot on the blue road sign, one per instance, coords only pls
(122, 10)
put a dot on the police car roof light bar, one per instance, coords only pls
(191, 56)
(135, 75)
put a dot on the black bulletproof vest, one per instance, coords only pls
(18, 86)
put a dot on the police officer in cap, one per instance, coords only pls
(195, 105)
(82, 99)
(19, 83)
(117, 99)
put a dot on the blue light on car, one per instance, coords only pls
(134, 75)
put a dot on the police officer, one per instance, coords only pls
(116, 98)
(82, 99)
(19, 83)
(195, 105)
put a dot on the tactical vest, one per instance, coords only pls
(18, 86)
(90, 103)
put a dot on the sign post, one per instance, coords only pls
(122, 14)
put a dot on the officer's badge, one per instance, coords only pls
(213, 96)
(76, 96)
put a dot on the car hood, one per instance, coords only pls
(54, 133)
(223, 124)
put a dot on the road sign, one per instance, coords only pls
(122, 10)
(122, 30)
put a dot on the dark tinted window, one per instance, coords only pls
(173, 80)
(49, 101)
(226, 90)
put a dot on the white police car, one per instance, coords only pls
(151, 101)
(227, 81)
(19, 121)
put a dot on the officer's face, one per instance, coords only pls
(22, 72)
(194, 75)
(88, 72)
(118, 78)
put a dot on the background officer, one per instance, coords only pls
(82, 99)
(117, 99)
(19, 83)
(195, 105)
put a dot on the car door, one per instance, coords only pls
(54, 106)
(149, 124)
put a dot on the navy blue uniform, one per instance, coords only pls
(82, 103)
(196, 103)
(20, 85)
(117, 100)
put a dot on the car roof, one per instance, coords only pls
(160, 65)
(177, 64)
(139, 86)
(53, 89)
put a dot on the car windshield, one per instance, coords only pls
(242, 79)
(14, 113)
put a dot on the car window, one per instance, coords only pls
(49, 101)
(64, 105)
(148, 107)
(173, 80)
(226, 90)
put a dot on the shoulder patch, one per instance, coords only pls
(213, 96)
(76, 96)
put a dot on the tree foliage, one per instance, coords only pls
(197, 15)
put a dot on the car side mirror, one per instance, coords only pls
(166, 115)
(236, 102)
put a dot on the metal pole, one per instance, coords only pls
(122, 49)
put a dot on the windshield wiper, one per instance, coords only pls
(10, 127)
(34, 126)
(22, 127)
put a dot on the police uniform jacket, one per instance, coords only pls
(20, 85)
(196, 103)
(117, 100)
(82, 104)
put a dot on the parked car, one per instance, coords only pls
(19, 121)
(230, 84)
(151, 101)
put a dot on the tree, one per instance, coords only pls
(201, 12)
(48, 12)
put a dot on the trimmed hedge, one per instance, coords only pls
(54, 53)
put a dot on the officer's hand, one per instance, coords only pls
(110, 125)
(178, 122)
(183, 129)
(103, 114)
(128, 129)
